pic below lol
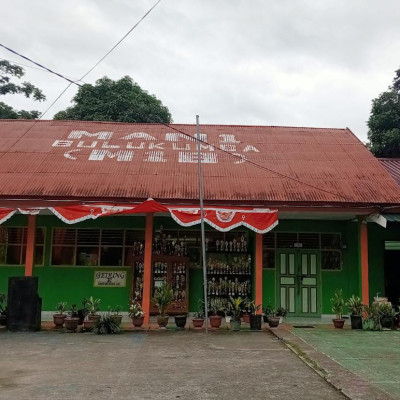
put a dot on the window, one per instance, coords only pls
(96, 247)
(330, 245)
(13, 245)
(269, 250)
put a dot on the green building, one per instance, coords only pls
(74, 212)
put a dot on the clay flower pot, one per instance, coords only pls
(338, 323)
(215, 321)
(137, 321)
(88, 324)
(162, 320)
(180, 321)
(198, 323)
(94, 317)
(246, 318)
(59, 320)
(117, 319)
(71, 323)
(273, 322)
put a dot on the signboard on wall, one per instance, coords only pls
(109, 279)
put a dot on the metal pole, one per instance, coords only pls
(203, 239)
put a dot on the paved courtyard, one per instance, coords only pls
(154, 365)
(374, 356)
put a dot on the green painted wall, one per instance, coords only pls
(72, 284)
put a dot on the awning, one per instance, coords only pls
(222, 219)
(392, 217)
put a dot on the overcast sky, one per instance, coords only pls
(259, 62)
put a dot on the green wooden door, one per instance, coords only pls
(298, 282)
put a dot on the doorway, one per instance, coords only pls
(299, 282)
(392, 276)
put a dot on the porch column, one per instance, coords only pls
(259, 271)
(30, 245)
(148, 250)
(364, 263)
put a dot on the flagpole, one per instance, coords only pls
(203, 240)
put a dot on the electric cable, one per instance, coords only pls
(39, 65)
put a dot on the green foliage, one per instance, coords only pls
(73, 312)
(122, 101)
(106, 325)
(61, 307)
(338, 303)
(236, 307)
(372, 320)
(386, 310)
(9, 71)
(384, 122)
(200, 310)
(91, 304)
(163, 297)
(115, 310)
(216, 305)
(281, 312)
(135, 309)
(355, 305)
(7, 112)
(2, 301)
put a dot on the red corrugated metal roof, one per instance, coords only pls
(392, 165)
(125, 162)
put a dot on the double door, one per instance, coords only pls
(298, 282)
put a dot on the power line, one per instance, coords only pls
(39, 65)
(37, 69)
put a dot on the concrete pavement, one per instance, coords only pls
(155, 365)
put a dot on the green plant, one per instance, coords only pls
(355, 305)
(135, 309)
(269, 311)
(338, 303)
(163, 297)
(2, 300)
(72, 312)
(252, 307)
(91, 304)
(385, 310)
(216, 306)
(61, 307)
(236, 307)
(372, 322)
(115, 310)
(281, 312)
(200, 310)
(106, 325)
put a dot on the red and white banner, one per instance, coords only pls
(260, 220)
(225, 219)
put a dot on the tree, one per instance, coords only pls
(7, 72)
(122, 100)
(384, 121)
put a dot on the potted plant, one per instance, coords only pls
(163, 297)
(281, 313)
(255, 319)
(92, 305)
(136, 313)
(338, 303)
(356, 308)
(273, 318)
(60, 316)
(386, 315)
(72, 320)
(3, 310)
(115, 314)
(236, 308)
(267, 312)
(371, 320)
(216, 308)
(247, 311)
(180, 321)
(198, 317)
